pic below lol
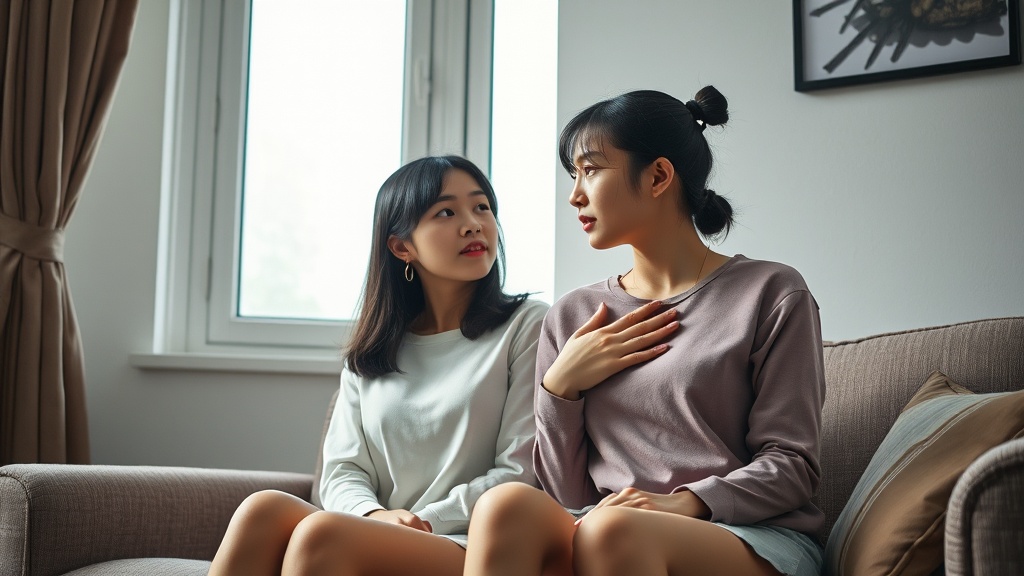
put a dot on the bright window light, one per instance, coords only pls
(323, 131)
(523, 139)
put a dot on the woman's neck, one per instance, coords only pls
(669, 261)
(444, 307)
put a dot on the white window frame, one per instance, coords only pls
(446, 110)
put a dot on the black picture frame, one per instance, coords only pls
(837, 42)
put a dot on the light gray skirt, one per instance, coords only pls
(790, 552)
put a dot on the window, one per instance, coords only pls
(523, 140)
(285, 118)
(322, 130)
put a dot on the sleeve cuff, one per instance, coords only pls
(444, 519)
(364, 508)
(719, 501)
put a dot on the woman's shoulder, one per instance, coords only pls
(582, 297)
(527, 317)
(769, 274)
(531, 308)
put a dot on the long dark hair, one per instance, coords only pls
(647, 124)
(389, 303)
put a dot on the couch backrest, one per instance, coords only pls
(868, 381)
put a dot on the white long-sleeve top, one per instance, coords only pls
(457, 420)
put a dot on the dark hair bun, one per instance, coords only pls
(714, 215)
(714, 107)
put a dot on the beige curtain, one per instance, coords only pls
(59, 64)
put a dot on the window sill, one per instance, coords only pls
(238, 363)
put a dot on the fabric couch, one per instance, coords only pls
(126, 520)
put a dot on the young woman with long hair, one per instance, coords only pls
(678, 403)
(436, 396)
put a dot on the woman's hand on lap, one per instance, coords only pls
(596, 351)
(402, 518)
(684, 503)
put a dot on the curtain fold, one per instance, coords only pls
(59, 65)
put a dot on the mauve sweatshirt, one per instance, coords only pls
(731, 412)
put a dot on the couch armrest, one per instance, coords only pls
(985, 521)
(55, 518)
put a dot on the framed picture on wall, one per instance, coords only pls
(845, 42)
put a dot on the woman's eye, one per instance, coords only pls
(483, 207)
(589, 170)
(447, 212)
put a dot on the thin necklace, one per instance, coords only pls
(702, 263)
(695, 280)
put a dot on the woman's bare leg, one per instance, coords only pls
(332, 544)
(518, 530)
(615, 540)
(258, 534)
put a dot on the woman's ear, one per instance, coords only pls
(660, 174)
(402, 249)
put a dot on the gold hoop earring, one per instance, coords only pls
(410, 272)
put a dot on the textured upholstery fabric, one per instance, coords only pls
(146, 567)
(58, 518)
(985, 523)
(869, 381)
(893, 522)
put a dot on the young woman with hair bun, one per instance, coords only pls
(678, 403)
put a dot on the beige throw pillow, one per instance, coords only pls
(893, 522)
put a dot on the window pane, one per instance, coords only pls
(523, 134)
(323, 131)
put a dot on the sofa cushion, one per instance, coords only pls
(145, 567)
(893, 523)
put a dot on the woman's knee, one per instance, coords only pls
(517, 525)
(260, 528)
(268, 506)
(267, 518)
(317, 542)
(506, 504)
(607, 538)
(317, 530)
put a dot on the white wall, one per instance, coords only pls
(898, 201)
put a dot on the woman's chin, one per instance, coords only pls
(598, 243)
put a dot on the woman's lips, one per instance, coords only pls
(474, 249)
(588, 222)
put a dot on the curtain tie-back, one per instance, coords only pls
(32, 241)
